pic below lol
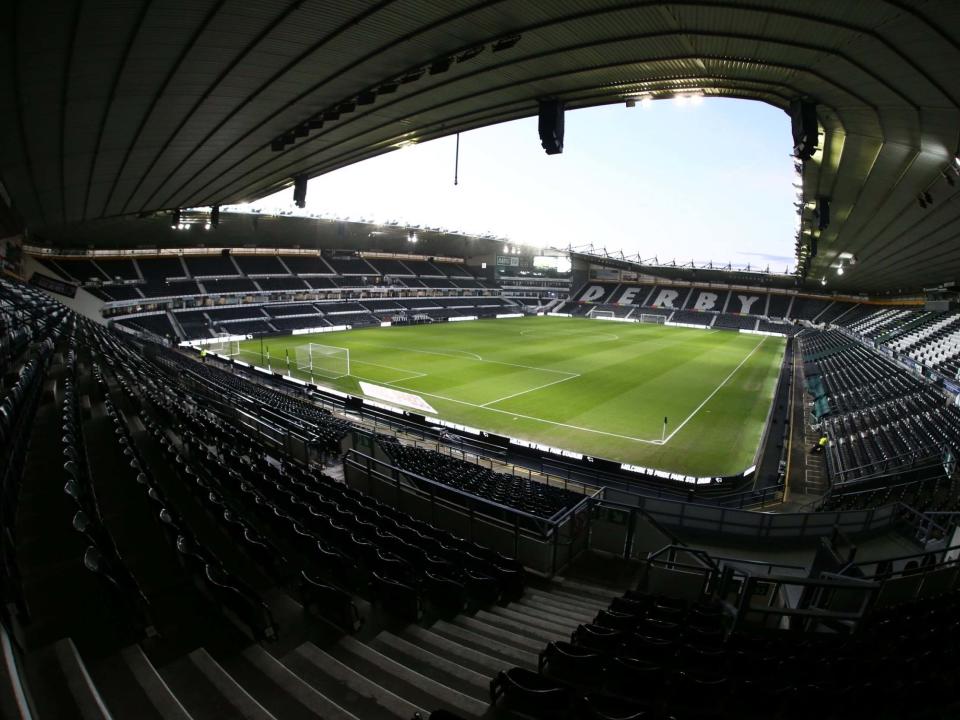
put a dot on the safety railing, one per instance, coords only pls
(543, 544)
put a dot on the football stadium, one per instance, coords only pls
(278, 443)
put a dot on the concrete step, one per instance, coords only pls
(198, 695)
(566, 601)
(589, 590)
(244, 705)
(534, 620)
(346, 687)
(81, 686)
(444, 668)
(521, 627)
(280, 690)
(488, 640)
(581, 600)
(500, 634)
(404, 681)
(153, 685)
(484, 663)
(119, 689)
(547, 610)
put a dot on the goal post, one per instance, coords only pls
(326, 361)
(654, 319)
(225, 345)
(604, 314)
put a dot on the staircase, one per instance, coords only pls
(390, 675)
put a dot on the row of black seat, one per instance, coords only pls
(524, 494)
(337, 533)
(633, 663)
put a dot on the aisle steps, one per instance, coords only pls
(390, 676)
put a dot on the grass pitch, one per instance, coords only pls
(600, 388)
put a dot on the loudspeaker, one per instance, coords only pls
(300, 191)
(551, 126)
(803, 123)
(225, 252)
(823, 212)
(215, 216)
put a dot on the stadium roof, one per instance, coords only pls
(123, 108)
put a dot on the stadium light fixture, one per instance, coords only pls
(207, 226)
(646, 101)
(823, 280)
(840, 269)
(696, 98)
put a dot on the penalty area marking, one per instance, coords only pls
(524, 392)
(411, 374)
(593, 430)
(526, 417)
(443, 354)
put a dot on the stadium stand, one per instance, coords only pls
(735, 322)
(529, 496)
(385, 266)
(118, 269)
(224, 285)
(246, 533)
(350, 266)
(879, 417)
(210, 266)
(254, 265)
(190, 537)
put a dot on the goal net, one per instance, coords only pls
(655, 319)
(323, 360)
(604, 314)
(223, 345)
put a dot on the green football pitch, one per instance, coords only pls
(595, 387)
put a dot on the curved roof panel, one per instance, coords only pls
(115, 108)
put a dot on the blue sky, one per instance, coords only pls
(704, 181)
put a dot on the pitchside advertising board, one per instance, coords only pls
(673, 299)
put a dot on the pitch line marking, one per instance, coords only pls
(480, 359)
(443, 354)
(524, 392)
(715, 391)
(414, 374)
(525, 417)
